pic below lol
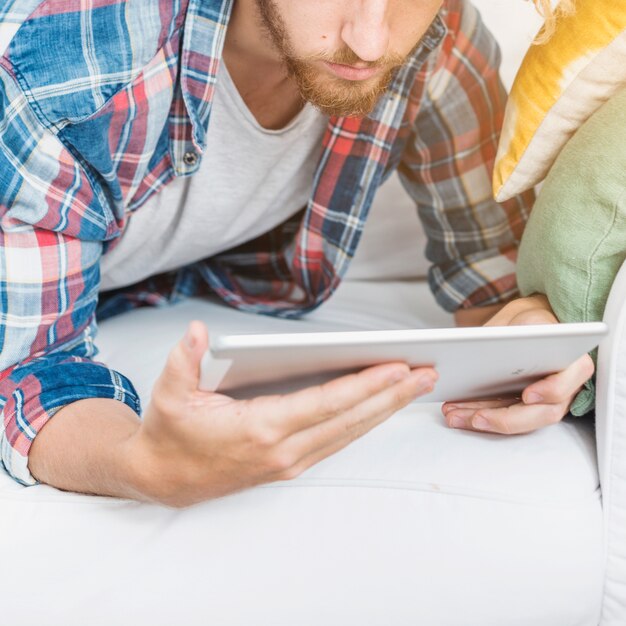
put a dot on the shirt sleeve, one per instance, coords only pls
(447, 168)
(52, 227)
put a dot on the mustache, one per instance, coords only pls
(347, 56)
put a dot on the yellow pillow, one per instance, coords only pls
(560, 85)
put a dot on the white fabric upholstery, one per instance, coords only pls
(611, 440)
(414, 524)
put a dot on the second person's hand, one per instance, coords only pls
(542, 403)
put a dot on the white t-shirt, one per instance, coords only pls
(250, 180)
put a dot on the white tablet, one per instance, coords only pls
(481, 362)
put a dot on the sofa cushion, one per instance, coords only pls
(413, 524)
(611, 442)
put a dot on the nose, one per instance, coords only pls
(366, 31)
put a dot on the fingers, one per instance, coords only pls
(287, 434)
(363, 417)
(459, 415)
(326, 438)
(559, 387)
(543, 403)
(478, 404)
(361, 402)
(523, 311)
(517, 419)
(301, 410)
(506, 417)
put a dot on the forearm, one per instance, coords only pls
(87, 448)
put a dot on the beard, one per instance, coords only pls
(331, 95)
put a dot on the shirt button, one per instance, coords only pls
(190, 158)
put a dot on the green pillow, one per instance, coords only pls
(575, 241)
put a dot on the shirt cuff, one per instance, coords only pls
(478, 280)
(35, 392)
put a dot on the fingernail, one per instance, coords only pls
(190, 340)
(425, 384)
(397, 376)
(447, 408)
(457, 422)
(423, 378)
(480, 423)
(423, 391)
(533, 398)
(464, 413)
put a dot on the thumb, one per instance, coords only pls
(182, 369)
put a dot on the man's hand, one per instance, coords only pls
(195, 445)
(544, 402)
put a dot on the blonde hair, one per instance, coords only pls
(551, 15)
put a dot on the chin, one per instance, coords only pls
(335, 96)
(344, 100)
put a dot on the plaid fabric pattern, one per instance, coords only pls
(91, 128)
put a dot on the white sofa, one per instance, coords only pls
(413, 524)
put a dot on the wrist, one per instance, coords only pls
(154, 473)
(533, 309)
(476, 316)
(535, 301)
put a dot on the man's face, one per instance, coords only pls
(343, 53)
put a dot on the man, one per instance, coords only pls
(108, 110)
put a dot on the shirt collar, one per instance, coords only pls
(205, 29)
(435, 34)
(398, 92)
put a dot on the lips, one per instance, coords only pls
(350, 72)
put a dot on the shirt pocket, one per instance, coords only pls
(41, 183)
(127, 139)
(72, 59)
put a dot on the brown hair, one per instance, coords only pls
(552, 15)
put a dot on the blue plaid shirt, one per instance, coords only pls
(104, 102)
